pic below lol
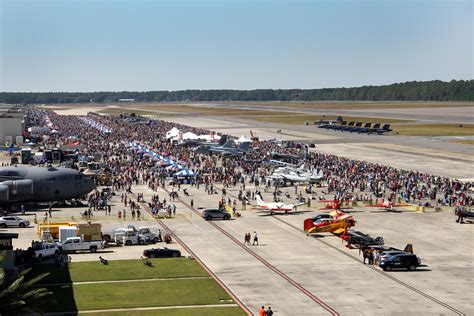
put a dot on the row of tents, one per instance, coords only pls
(101, 127)
(175, 134)
(170, 163)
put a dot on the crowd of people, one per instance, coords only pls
(344, 178)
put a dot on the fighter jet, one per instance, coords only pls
(228, 150)
(37, 184)
(205, 149)
(303, 154)
(236, 151)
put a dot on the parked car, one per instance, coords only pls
(391, 253)
(400, 261)
(161, 253)
(44, 250)
(213, 213)
(9, 221)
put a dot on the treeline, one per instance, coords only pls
(455, 90)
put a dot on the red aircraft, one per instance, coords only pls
(335, 222)
(334, 205)
(387, 205)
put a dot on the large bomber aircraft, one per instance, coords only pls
(37, 184)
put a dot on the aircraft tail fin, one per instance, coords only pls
(223, 140)
(245, 146)
(228, 144)
(408, 248)
(303, 151)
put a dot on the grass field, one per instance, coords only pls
(93, 271)
(117, 111)
(137, 294)
(464, 141)
(336, 105)
(353, 105)
(434, 129)
(130, 289)
(301, 119)
(201, 311)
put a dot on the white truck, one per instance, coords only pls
(129, 235)
(152, 237)
(73, 244)
(133, 237)
(44, 250)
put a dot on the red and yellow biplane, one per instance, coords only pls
(335, 222)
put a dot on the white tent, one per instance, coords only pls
(189, 135)
(172, 133)
(185, 173)
(208, 137)
(243, 139)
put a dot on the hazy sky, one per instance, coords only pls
(141, 45)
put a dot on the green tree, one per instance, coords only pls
(20, 295)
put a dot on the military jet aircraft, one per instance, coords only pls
(37, 184)
(206, 148)
(236, 151)
(226, 150)
(288, 158)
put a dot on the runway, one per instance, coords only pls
(426, 154)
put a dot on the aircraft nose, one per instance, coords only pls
(89, 185)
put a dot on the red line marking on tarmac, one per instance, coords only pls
(266, 263)
(215, 277)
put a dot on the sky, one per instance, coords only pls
(141, 45)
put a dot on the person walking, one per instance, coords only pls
(262, 311)
(255, 238)
(269, 311)
(247, 239)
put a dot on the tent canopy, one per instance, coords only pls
(243, 139)
(185, 173)
(172, 133)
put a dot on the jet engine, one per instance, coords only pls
(16, 189)
(3, 193)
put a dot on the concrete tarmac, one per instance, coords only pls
(315, 276)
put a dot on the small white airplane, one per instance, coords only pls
(274, 206)
(297, 175)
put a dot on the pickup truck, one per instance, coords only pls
(152, 237)
(73, 244)
(44, 249)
